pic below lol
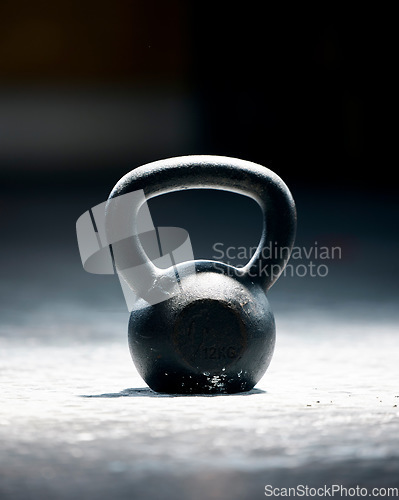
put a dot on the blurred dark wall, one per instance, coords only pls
(91, 42)
(100, 85)
(89, 90)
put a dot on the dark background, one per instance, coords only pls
(307, 90)
(90, 90)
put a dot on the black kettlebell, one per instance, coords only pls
(210, 328)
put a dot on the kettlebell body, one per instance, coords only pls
(216, 334)
(214, 331)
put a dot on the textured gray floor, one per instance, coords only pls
(76, 420)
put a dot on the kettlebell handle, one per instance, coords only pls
(223, 173)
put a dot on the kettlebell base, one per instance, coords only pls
(200, 385)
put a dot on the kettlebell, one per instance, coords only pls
(213, 330)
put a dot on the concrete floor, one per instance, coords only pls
(77, 421)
